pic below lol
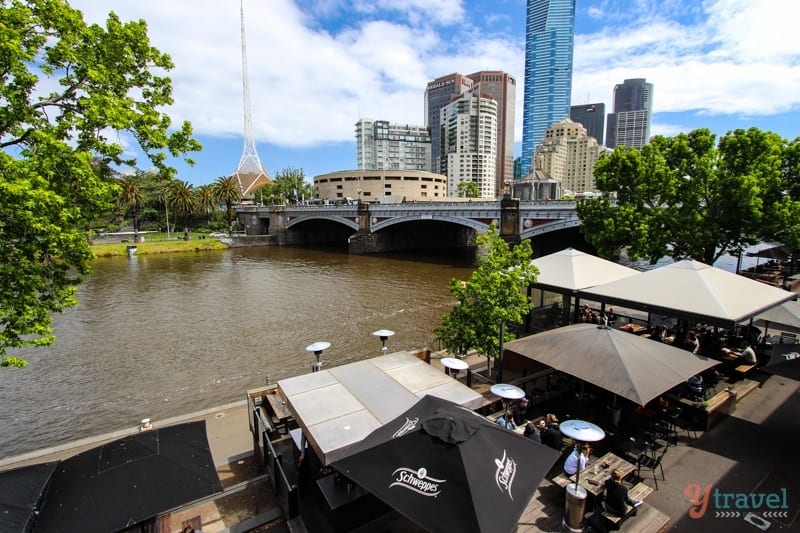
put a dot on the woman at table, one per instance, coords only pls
(577, 460)
(616, 497)
(551, 435)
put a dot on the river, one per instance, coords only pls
(157, 336)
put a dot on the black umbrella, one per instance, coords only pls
(21, 493)
(449, 469)
(130, 480)
(784, 360)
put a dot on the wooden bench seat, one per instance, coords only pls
(744, 369)
(640, 491)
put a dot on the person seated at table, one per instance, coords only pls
(519, 411)
(506, 421)
(748, 354)
(551, 435)
(612, 317)
(616, 497)
(577, 460)
(534, 431)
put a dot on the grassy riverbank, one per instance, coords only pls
(157, 247)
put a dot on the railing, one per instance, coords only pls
(264, 431)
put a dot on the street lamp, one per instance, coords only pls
(383, 334)
(317, 348)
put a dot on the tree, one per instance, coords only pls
(290, 185)
(65, 86)
(183, 202)
(494, 295)
(130, 200)
(206, 201)
(227, 191)
(684, 197)
(468, 189)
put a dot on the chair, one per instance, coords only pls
(651, 464)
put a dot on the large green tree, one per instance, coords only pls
(689, 197)
(69, 92)
(494, 295)
(184, 203)
(131, 200)
(227, 191)
(291, 186)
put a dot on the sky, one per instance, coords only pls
(317, 66)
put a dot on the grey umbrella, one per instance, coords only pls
(625, 364)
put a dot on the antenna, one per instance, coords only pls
(249, 173)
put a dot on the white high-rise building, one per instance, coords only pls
(568, 154)
(469, 143)
(385, 146)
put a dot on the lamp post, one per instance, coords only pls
(383, 334)
(317, 348)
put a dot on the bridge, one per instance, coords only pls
(372, 228)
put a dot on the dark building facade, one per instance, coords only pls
(592, 117)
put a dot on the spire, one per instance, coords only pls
(249, 173)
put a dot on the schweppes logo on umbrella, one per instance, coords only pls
(505, 474)
(409, 425)
(417, 481)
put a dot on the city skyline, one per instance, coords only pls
(317, 67)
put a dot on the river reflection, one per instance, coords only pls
(160, 336)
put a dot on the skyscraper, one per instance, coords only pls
(469, 143)
(592, 117)
(502, 87)
(550, 28)
(629, 124)
(438, 94)
(381, 145)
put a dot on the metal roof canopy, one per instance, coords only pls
(338, 407)
(694, 291)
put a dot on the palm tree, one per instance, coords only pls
(228, 192)
(206, 201)
(183, 202)
(131, 199)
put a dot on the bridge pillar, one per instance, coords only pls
(364, 220)
(509, 220)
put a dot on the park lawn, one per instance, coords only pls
(157, 247)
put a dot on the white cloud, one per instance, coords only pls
(309, 85)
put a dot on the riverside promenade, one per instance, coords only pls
(712, 483)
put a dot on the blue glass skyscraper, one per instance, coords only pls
(549, 39)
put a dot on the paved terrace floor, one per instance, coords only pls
(753, 450)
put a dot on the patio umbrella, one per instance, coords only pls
(21, 493)
(785, 317)
(130, 480)
(784, 360)
(571, 269)
(692, 291)
(449, 469)
(628, 365)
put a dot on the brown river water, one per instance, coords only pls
(164, 335)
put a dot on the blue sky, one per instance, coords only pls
(317, 66)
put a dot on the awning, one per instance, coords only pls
(338, 407)
(625, 364)
(692, 291)
(130, 480)
(570, 270)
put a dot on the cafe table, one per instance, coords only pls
(598, 471)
